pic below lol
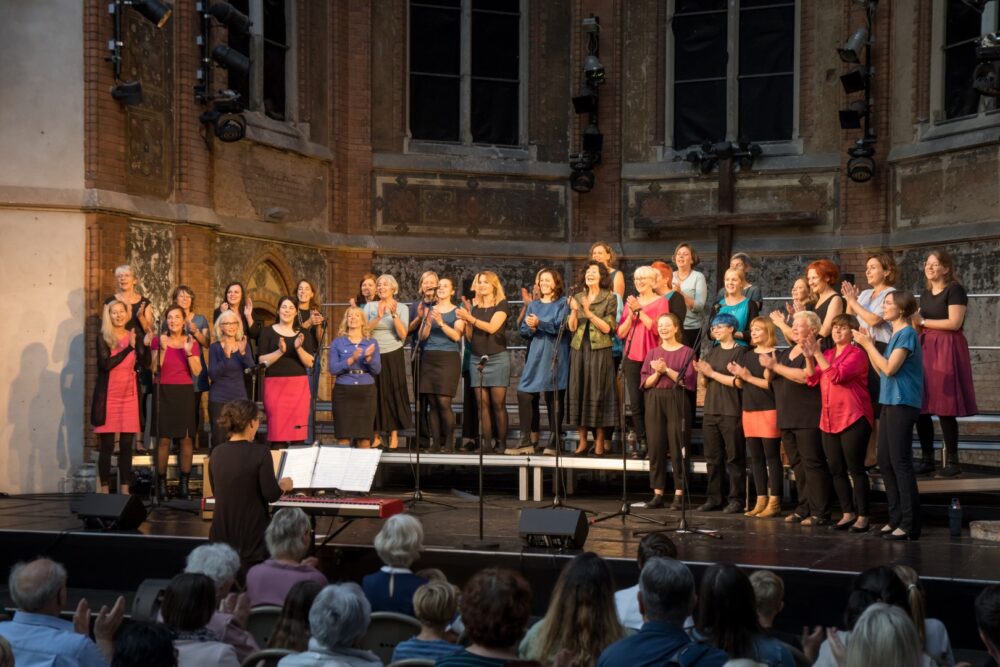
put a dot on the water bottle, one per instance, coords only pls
(955, 518)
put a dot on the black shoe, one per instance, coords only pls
(842, 526)
(161, 487)
(183, 491)
(656, 503)
(863, 529)
(709, 506)
(677, 503)
(952, 470)
(733, 507)
(923, 467)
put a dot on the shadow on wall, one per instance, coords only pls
(45, 409)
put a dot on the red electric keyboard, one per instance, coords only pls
(374, 508)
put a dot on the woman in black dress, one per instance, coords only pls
(244, 483)
(822, 276)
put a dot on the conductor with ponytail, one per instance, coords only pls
(244, 483)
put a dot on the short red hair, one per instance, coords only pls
(665, 271)
(826, 270)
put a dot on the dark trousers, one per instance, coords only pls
(895, 460)
(632, 371)
(845, 454)
(724, 452)
(765, 462)
(668, 421)
(528, 413)
(949, 434)
(805, 455)
(107, 447)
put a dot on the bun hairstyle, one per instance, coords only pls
(237, 415)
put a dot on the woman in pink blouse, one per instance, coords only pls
(666, 372)
(637, 329)
(846, 418)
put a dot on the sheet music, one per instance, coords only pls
(346, 469)
(299, 464)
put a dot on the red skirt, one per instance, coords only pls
(122, 413)
(948, 388)
(761, 424)
(286, 402)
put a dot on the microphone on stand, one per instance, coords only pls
(483, 360)
(251, 370)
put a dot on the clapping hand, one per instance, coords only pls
(531, 321)
(242, 345)
(188, 345)
(574, 305)
(354, 356)
(369, 351)
(248, 311)
(317, 318)
(108, 620)
(282, 346)
(81, 618)
(436, 317)
(585, 302)
(862, 338)
(736, 370)
(299, 340)
(809, 346)
(703, 367)
(767, 361)
(849, 291)
(658, 365)
(131, 337)
(633, 303)
(238, 606)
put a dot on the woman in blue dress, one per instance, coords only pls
(543, 320)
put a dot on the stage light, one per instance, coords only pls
(228, 126)
(154, 11)
(861, 166)
(582, 177)
(231, 59)
(593, 142)
(593, 70)
(851, 51)
(585, 102)
(854, 81)
(128, 93)
(236, 21)
(748, 153)
(850, 118)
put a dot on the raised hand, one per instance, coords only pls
(789, 308)
(188, 345)
(767, 361)
(736, 370)
(849, 291)
(369, 351)
(299, 340)
(224, 306)
(131, 337)
(526, 296)
(282, 346)
(81, 617)
(861, 338)
(573, 304)
(382, 308)
(317, 318)
(633, 303)
(436, 317)
(353, 302)
(248, 311)
(108, 620)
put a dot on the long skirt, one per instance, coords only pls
(286, 402)
(393, 406)
(948, 390)
(590, 398)
(354, 411)
(174, 411)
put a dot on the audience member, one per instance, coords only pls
(932, 633)
(652, 545)
(291, 630)
(581, 617)
(434, 604)
(883, 635)
(495, 607)
(666, 598)
(38, 636)
(398, 544)
(220, 563)
(7, 653)
(188, 605)
(143, 644)
(727, 618)
(769, 593)
(988, 620)
(288, 538)
(338, 619)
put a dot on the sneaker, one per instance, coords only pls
(654, 504)
(733, 507)
(519, 451)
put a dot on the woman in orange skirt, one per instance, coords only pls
(760, 419)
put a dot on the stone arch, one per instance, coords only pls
(269, 279)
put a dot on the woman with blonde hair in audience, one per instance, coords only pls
(932, 633)
(760, 420)
(355, 363)
(387, 323)
(637, 329)
(114, 408)
(485, 322)
(581, 618)
(434, 605)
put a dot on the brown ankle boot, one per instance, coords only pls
(773, 508)
(758, 508)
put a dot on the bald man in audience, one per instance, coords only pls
(37, 634)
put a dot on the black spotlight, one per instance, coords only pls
(128, 93)
(232, 18)
(593, 142)
(850, 118)
(593, 70)
(853, 81)
(851, 51)
(582, 178)
(861, 166)
(585, 102)
(228, 126)
(154, 11)
(231, 59)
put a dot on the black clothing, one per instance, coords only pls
(288, 364)
(826, 342)
(485, 343)
(799, 405)
(935, 306)
(722, 399)
(754, 398)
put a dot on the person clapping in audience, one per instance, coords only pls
(727, 618)
(581, 617)
(495, 607)
(39, 636)
(666, 598)
(434, 604)
(288, 538)
(883, 635)
(220, 563)
(338, 619)
(398, 544)
(188, 605)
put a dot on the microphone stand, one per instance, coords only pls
(481, 400)
(626, 509)
(418, 495)
(557, 496)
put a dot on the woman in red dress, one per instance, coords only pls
(115, 406)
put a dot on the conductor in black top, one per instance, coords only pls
(244, 483)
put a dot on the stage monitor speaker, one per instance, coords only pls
(110, 511)
(553, 528)
(147, 600)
